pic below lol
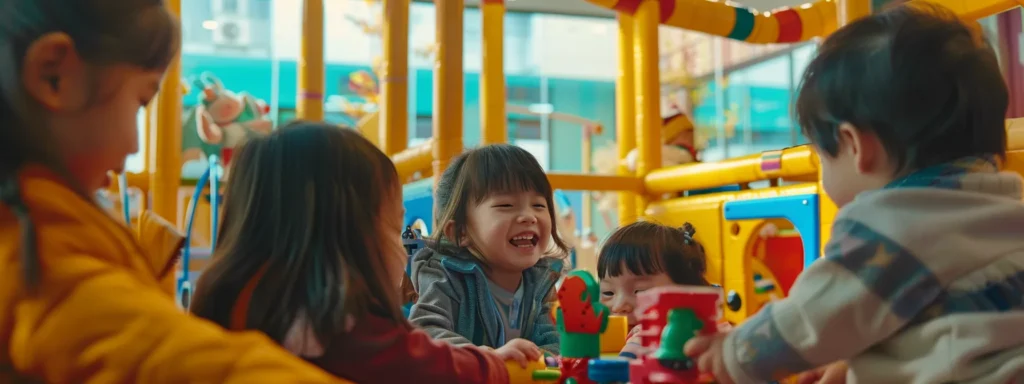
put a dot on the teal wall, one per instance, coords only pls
(594, 100)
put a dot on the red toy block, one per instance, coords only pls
(653, 307)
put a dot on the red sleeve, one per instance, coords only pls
(379, 351)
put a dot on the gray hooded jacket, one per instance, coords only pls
(456, 306)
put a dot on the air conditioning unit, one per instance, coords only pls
(230, 7)
(232, 32)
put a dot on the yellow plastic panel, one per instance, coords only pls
(614, 337)
(738, 272)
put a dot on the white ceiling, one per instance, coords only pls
(583, 8)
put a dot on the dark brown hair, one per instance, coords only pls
(646, 248)
(916, 76)
(304, 204)
(134, 32)
(478, 173)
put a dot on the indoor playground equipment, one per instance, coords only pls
(208, 181)
(753, 269)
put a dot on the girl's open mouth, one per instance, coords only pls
(524, 240)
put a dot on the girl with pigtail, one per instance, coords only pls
(646, 255)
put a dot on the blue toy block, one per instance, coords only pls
(608, 371)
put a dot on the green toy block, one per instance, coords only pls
(580, 317)
(682, 325)
(580, 345)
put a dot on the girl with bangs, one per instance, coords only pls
(488, 275)
(646, 255)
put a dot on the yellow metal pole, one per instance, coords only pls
(586, 146)
(625, 127)
(394, 109)
(448, 84)
(309, 104)
(850, 10)
(493, 128)
(165, 173)
(648, 92)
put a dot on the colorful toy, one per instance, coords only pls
(609, 371)
(221, 121)
(614, 337)
(364, 84)
(669, 317)
(536, 372)
(580, 320)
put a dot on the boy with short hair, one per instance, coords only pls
(923, 278)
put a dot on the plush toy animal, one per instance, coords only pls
(221, 121)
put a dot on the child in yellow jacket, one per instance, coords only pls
(81, 300)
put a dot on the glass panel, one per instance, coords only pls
(801, 58)
(759, 107)
(137, 162)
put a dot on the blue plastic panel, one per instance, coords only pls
(801, 210)
(418, 198)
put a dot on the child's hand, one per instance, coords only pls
(707, 352)
(834, 373)
(521, 350)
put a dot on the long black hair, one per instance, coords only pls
(302, 216)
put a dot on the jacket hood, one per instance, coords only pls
(465, 263)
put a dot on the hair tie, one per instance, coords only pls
(688, 232)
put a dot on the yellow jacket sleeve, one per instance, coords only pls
(93, 322)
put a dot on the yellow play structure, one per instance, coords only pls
(751, 268)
